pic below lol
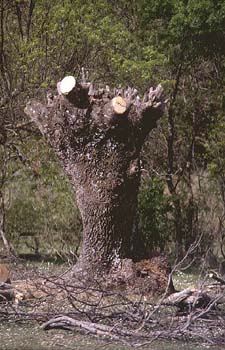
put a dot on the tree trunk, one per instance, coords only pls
(97, 135)
(3, 162)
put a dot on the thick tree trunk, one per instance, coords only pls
(98, 135)
(108, 202)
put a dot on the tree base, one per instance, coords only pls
(147, 276)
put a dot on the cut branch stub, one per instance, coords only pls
(66, 85)
(119, 105)
(113, 109)
(155, 97)
(75, 93)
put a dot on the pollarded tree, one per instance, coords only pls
(97, 135)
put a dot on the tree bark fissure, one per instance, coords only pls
(97, 135)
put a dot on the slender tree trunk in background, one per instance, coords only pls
(170, 166)
(8, 248)
(178, 224)
(2, 225)
(97, 135)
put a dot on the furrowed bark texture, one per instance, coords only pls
(99, 147)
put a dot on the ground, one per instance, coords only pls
(119, 315)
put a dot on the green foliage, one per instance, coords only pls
(154, 209)
(215, 149)
(40, 213)
(66, 35)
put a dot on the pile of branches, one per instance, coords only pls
(192, 315)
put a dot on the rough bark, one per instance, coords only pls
(98, 143)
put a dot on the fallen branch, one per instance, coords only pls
(70, 323)
(217, 278)
(188, 299)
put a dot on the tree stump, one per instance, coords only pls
(97, 134)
